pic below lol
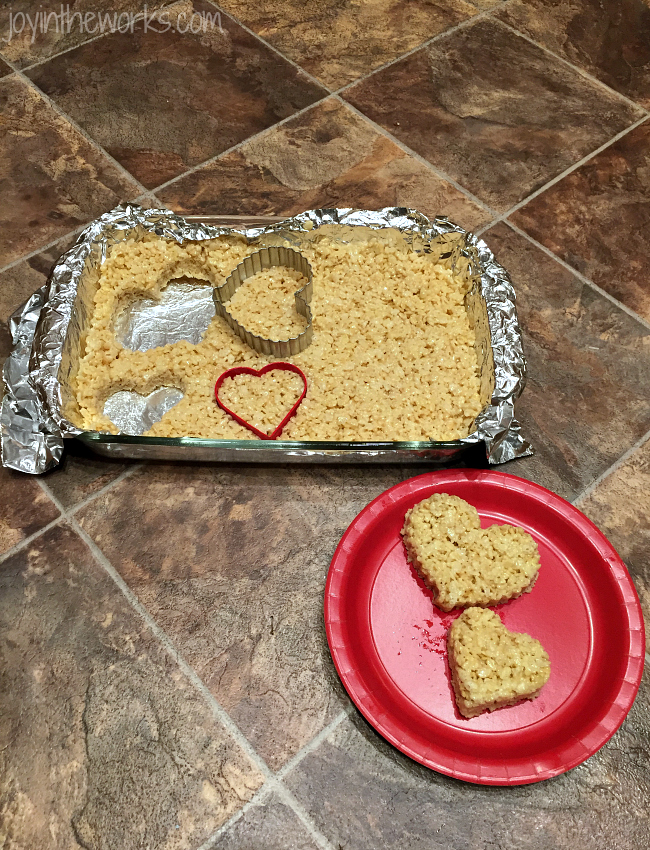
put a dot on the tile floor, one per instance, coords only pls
(144, 702)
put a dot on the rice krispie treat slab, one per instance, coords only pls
(462, 563)
(492, 667)
(389, 643)
(392, 356)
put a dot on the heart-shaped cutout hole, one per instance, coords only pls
(259, 398)
(492, 667)
(134, 413)
(461, 562)
(183, 311)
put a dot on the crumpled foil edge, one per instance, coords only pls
(31, 422)
(31, 438)
(496, 423)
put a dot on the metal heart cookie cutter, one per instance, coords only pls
(265, 259)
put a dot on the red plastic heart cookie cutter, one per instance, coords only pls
(246, 370)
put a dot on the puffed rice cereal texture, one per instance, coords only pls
(392, 356)
(492, 667)
(462, 563)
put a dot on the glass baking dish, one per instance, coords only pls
(267, 451)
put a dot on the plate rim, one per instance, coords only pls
(462, 767)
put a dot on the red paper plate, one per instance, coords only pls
(388, 640)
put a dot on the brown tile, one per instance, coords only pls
(160, 102)
(272, 826)
(149, 202)
(53, 179)
(362, 793)
(5, 69)
(105, 742)
(608, 38)
(492, 110)
(238, 585)
(340, 42)
(326, 157)
(52, 28)
(598, 219)
(620, 507)
(81, 473)
(586, 400)
(23, 279)
(24, 507)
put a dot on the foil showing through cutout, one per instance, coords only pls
(134, 413)
(183, 311)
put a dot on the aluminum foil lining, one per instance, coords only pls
(268, 258)
(134, 413)
(31, 437)
(183, 311)
(48, 331)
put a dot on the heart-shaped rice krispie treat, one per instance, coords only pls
(462, 563)
(492, 667)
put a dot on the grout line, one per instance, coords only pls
(22, 544)
(459, 26)
(315, 742)
(258, 799)
(420, 159)
(579, 275)
(331, 93)
(468, 22)
(67, 235)
(97, 147)
(43, 248)
(579, 70)
(616, 465)
(245, 141)
(148, 198)
(144, 199)
(63, 52)
(573, 167)
(65, 513)
(139, 17)
(275, 783)
(287, 797)
(197, 167)
(218, 711)
(481, 14)
(131, 470)
(270, 781)
(377, 127)
(270, 46)
(314, 80)
(10, 64)
(485, 227)
(220, 714)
